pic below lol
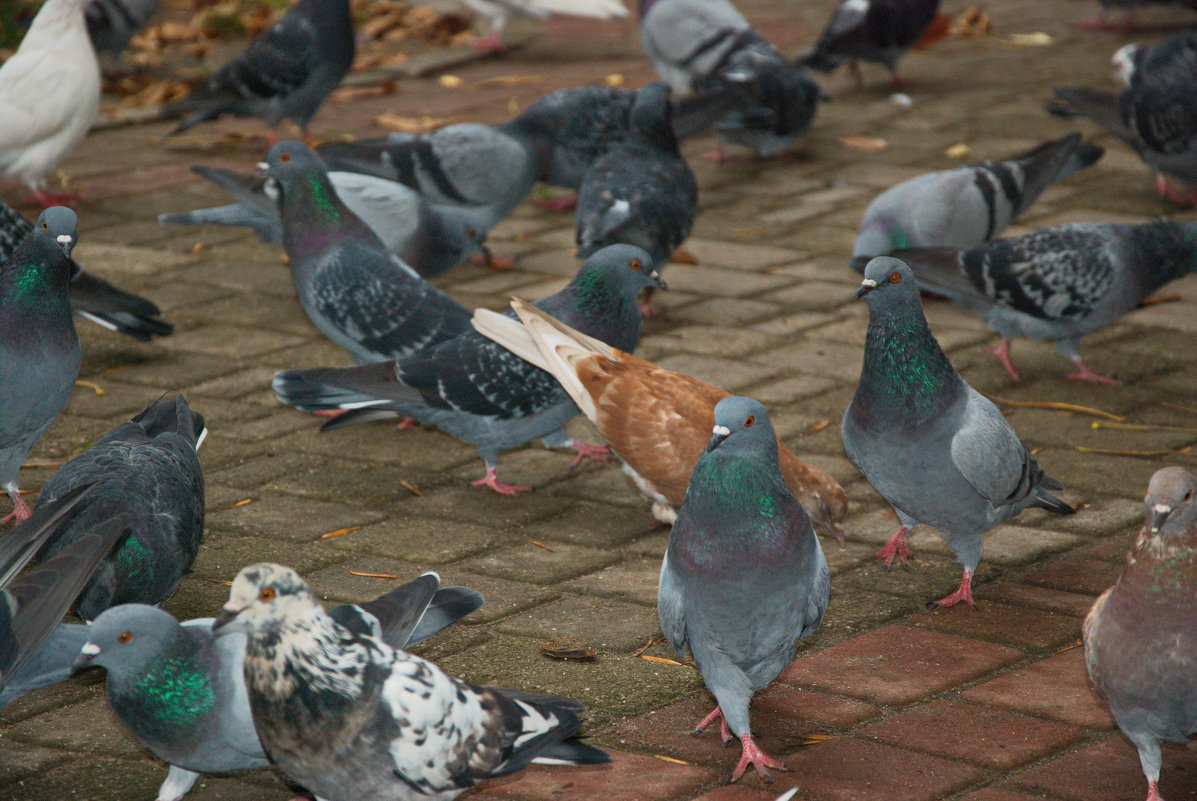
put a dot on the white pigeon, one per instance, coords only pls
(50, 93)
(499, 11)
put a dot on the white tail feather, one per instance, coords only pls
(509, 333)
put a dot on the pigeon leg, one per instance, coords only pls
(724, 731)
(759, 759)
(1083, 373)
(716, 156)
(1102, 23)
(896, 547)
(491, 480)
(557, 203)
(178, 782)
(897, 80)
(407, 422)
(491, 43)
(1002, 351)
(1164, 189)
(328, 413)
(600, 453)
(47, 199)
(965, 593)
(20, 511)
(857, 75)
(485, 258)
(1153, 791)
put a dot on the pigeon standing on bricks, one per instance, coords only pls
(934, 448)
(880, 31)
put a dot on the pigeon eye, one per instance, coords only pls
(284, 157)
(471, 233)
(895, 278)
(45, 225)
(749, 421)
(124, 637)
(266, 595)
(1188, 496)
(634, 264)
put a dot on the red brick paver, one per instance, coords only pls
(1057, 687)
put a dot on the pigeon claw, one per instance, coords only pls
(964, 593)
(492, 481)
(716, 156)
(557, 203)
(600, 453)
(491, 43)
(1002, 351)
(20, 510)
(759, 759)
(406, 423)
(1083, 373)
(896, 547)
(1100, 23)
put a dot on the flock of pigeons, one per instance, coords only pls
(332, 698)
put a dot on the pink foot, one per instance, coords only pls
(1165, 190)
(1083, 373)
(490, 260)
(20, 511)
(489, 44)
(1153, 791)
(408, 422)
(329, 413)
(897, 80)
(896, 547)
(47, 199)
(492, 481)
(965, 593)
(1100, 23)
(759, 759)
(600, 453)
(557, 203)
(716, 156)
(724, 732)
(1002, 351)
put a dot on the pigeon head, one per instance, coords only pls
(60, 223)
(887, 277)
(741, 424)
(464, 228)
(264, 595)
(125, 639)
(651, 115)
(1124, 61)
(1171, 503)
(625, 269)
(290, 162)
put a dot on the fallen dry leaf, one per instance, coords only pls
(1156, 300)
(507, 80)
(540, 544)
(817, 427)
(683, 256)
(973, 21)
(217, 581)
(1186, 451)
(347, 93)
(661, 659)
(614, 80)
(567, 648)
(1036, 39)
(1055, 406)
(664, 758)
(410, 487)
(413, 125)
(236, 505)
(450, 81)
(1178, 407)
(958, 151)
(1142, 427)
(92, 385)
(866, 144)
(373, 575)
(339, 532)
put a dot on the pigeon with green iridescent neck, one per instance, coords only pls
(146, 469)
(181, 691)
(39, 350)
(744, 578)
(934, 448)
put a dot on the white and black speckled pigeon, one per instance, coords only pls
(39, 349)
(1130, 10)
(477, 390)
(181, 691)
(744, 577)
(285, 73)
(706, 47)
(147, 470)
(934, 448)
(1061, 283)
(113, 23)
(880, 31)
(358, 293)
(1140, 643)
(429, 238)
(1156, 113)
(499, 11)
(966, 206)
(49, 93)
(348, 716)
(92, 298)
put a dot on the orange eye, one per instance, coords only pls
(634, 264)
(749, 421)
(266, 594)
(471, 233)
(45, 226)
(1188, 496)
(284, 157)
(895, 278)
(124, 637)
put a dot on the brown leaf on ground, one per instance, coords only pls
(567, 648)
(973, 21)
(347, 93)
(683, 256)
(413, 125)
(866, 144)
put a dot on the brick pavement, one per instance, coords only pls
(907, 704)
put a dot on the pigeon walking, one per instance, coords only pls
(1060, 283)
(285, 73)
(656, 421)
(933, 447)
(50, 93)
(966, 206)
(1140, 644)
(38, 345)
(477, 390)
(181, 691)
(1129, 9)
(112, 24)
(880, 31)
(499, 11)
(348, 716)
(147, 470)
(744, 577)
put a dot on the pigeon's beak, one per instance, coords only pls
(1159, 515)
(866, 286)
(89, 652)
(261, 168)
(224, 621)
(66, 242)
(718, 434)
(658, 280)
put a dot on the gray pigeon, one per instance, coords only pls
(430, 238)
(92, 298)
(113, 23)
(706, 47)
(966, 206)
(500, 10)
(744, 577)
(285, 73)
(1130, 9)
(476, 389)
(348, 716)
(1140, 645)
(181, 691)
(933, 447)
(880, 31)
(147, 470)
(38, 345)
(1060, 283)
(353, 289)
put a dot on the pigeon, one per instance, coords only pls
(706, 46)
(1140, 647)
(499, 11)
(112, 24)
(1060, 283)
(50, 93)
(934, 448)
(92, 298)
(880, 31)
(966, 206)
(1156, 114)
(38, 345)
(181, 691)
(641, 192)
(430, 238)
(347, 715)
(744, 578)
(479, 391)
(655, 420)
(146, 469)
(1130, 8)
(285, 73)
(359, 294)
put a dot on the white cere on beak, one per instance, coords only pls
(64, 239)
(1162, 509)
(722, 431)
(90, 649)
(262, 165)
(869, 282)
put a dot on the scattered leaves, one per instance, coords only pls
(373, 575)
(813, 739)
(197, 248)
(339, 532)
(221, 582)
(1178, 407)
(1036, 39)
(1142, 427)
(540, 544)
(866, 144)
(683, 256)
(1186, 451)
(507, 80)
(567, 648)
(413, 125)
(410, 487)
(35, 463)
(664, 758)
(647, 645)
(450, 81)
(236, 505)
(1070, 646)
(661, 659)
(347, 93)
(92, 385)
(817, 427)
(1155, 300)
(1055, 406)
(958, 151)
(614, 80)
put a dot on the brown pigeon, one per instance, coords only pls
(1141, 635)
(657, 421)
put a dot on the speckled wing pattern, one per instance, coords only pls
(1160, 105)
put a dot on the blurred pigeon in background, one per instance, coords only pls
(112, 24)
(499, 11)
(880, 31)
(1130, 10)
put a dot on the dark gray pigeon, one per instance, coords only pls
(934, 448)
(348, 716)
(1061, 283)
(966, 206)
(353, 289)
(1130, 9)
(285, 73)
(113, 23)
(477, 390)
(430, 238)
(1140, 644)
(147, 470)
(92, 298)
(744, 577)
(880, 31)
(182, 692)
(38, 345)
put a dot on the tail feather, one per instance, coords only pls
(1045, 500)
(236, 215)
(327, 388)
(115, 309)
(1101, 107)
(449, 605)
(1054, 161)
(510, 333)
(572, 752)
